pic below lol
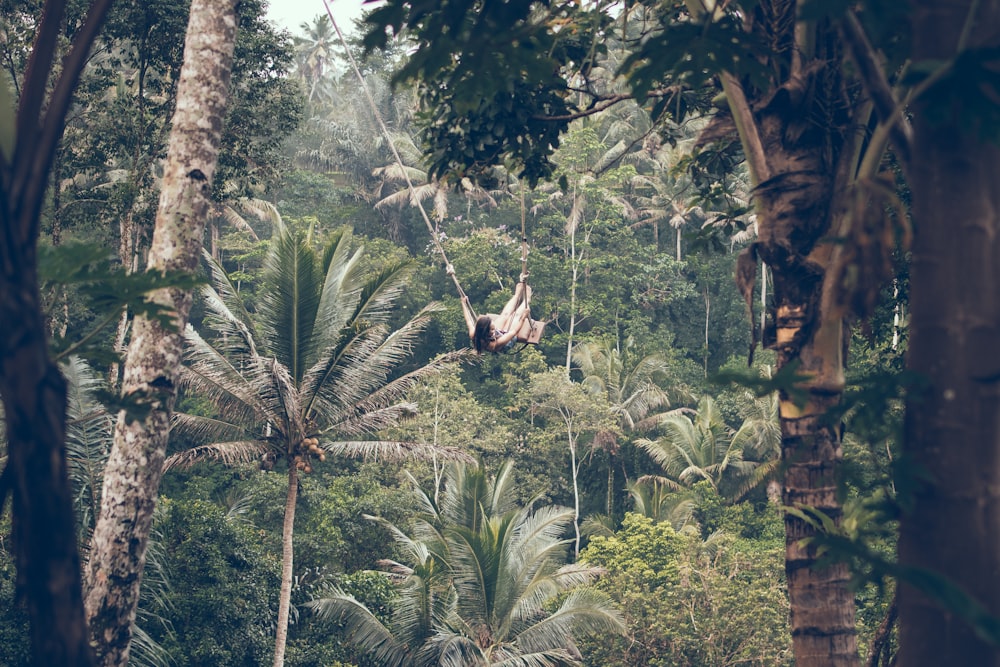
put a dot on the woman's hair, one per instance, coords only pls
(481, 336)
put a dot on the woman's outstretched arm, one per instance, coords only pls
(470, 317)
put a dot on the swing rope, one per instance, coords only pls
(409, 184)
(399, 161)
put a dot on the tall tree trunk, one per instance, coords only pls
(799, 167)
(44, 527)
(795, 207)
(134, 468)
(287, 554)
(32, 389)
(952, 434)
(575, 468)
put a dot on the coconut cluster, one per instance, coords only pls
(309, 448)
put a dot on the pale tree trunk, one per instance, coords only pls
(134, 467)
(952, 433)
(576, 492)
(708, 312)
(127, 254)
(287, 553)
(572, 292)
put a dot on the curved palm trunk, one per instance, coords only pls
(135, 464)
(287, 553)
(952, 433)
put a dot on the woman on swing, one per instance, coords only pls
(498, 333)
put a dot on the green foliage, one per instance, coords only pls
(314, 642)
(471, 121)
(106, 290)
(688, 601)
(334, 530)
(15, 645)
(223, 587)
(481, 583)
(88, 439)
(723, 45)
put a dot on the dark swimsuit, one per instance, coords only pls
(508, 346)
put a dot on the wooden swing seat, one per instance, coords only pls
(530, 332)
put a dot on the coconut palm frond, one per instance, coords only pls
(234, 338)
(659, 479)
(611, 156)
(211, 375)
(377, 302)
(373, 421)
(342, 285)
(394, 450)
(89, 430)
(223, 300)
(584, 610)
(229, 453)
(238, 222)
(394, 174)
(352, 379)
(364, 412)
(288, 308)
(264, 211)
(544, 526)
(577, 574)
(761, 473)
(559, 657)
(334, 384)
(454, 649)
(402, 198)
(144, 650)
(598, 524)
(207, 429)
(362, 628)
(282, 398)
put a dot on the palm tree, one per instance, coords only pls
(310, 374)
(314, 57)
(480, 584)
(658, 499)
(759, 438)
(630, 385)
(89, 429)
(690, 450)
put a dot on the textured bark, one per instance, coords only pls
(134, 468)
(287, 552)
(44, 528)
(801, 165)
(32, 389)
(952, 433)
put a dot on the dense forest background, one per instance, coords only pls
(638, 411)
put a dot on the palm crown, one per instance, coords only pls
(310, 373)
(477, 582)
